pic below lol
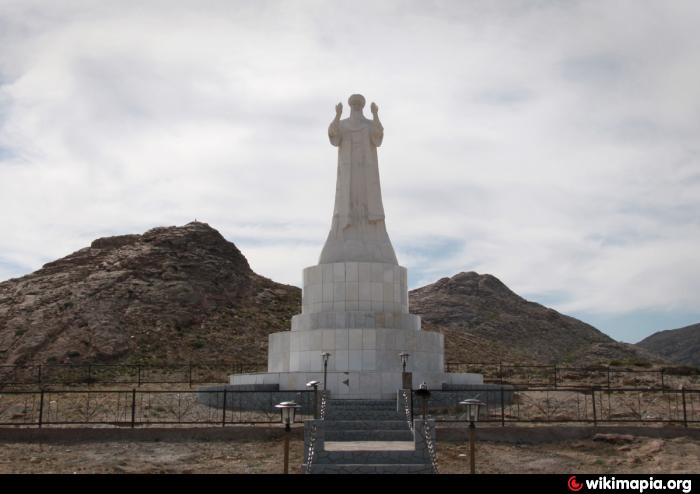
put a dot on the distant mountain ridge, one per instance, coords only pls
(492, 323)
(179, 294)
(681, 345)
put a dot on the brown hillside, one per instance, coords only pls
(681, 346)
(167, 296)
(483, 320)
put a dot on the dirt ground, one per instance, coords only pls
(616, 455)
(638, 455)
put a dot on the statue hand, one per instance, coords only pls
(338, 110)
(374, 108)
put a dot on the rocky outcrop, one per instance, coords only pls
(681, 346)
(168, 296)
(483, 320)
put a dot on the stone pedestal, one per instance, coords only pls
(357, 312)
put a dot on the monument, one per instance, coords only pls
(355, 321)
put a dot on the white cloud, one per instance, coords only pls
(551, 144)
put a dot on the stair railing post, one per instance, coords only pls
(223, 415)
(133, 407)
(41, 408)
(503, 408)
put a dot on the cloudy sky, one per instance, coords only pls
(553, 144)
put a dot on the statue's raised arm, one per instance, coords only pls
(377, 133)
(334, 127)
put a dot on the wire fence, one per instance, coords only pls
(592, 405)
(503, 404)
(138, 375)
(533, 375)
(135, 408)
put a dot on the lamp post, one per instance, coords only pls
(424, 394)
(406, 377)
(288, 410)
(325, 356)
(314, 384)
(404, 359)
(473, 407)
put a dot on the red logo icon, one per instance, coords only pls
(573, 485)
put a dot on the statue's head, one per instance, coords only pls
(356, 102)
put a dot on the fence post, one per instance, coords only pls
(89, 375)
(685, 413)
(41, 408)
(223, 415)
(595, 417)
(189, 374)
(555, 375)
(661, 372)
(39, 373)
(503, 409)
(138, 373)
(608, 377)
(133, 407)
(500, 372)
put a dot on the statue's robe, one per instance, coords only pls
(358, 232)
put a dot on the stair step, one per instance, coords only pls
(362, 404)
(369, 435)
(378, 468)
(363, 425)
(332, 414)
(370, 457)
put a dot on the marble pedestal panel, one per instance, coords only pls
(355, 286)
(368, 349)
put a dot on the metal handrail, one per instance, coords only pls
(324, 405)
(407, 408)
(312, 448)
(311, 453)
(430, 445)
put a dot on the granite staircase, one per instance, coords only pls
(365, 436)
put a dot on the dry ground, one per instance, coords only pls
(263, 455)
(641, 455)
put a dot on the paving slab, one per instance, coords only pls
(370, 446)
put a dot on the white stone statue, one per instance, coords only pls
(358, 231)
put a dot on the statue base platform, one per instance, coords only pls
(357, 312)
(355, 385)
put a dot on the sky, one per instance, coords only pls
(553, 144)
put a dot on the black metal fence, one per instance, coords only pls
(133, 408)
(593, 405)
(503, 405)
(533, 375)
(65, 374)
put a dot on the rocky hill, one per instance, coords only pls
(167, 296)
(484, 321)
(680, 345)
(177, 294)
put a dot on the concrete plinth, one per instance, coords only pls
(358, 313)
